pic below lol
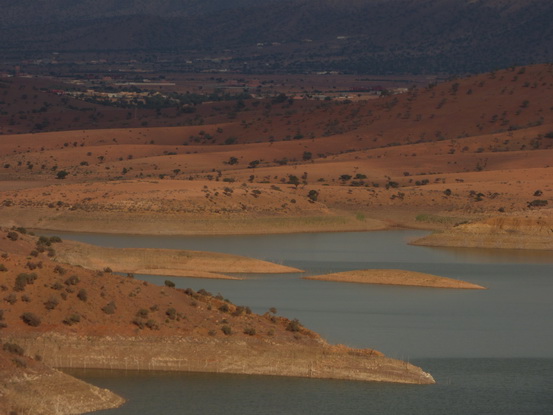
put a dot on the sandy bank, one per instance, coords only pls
(396, 277)
(139, 223)
(504, 232)
(181, 263)
(251, 356)
(30, 387)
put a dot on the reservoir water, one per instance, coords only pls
(491, 351)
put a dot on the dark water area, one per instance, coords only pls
(465, 386)
(491, 351)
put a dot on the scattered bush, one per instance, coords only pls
(59, 270)
(224, 308)
(227, 331)
(152, 325)
(3, 268)
(313, 195)
(139, 323)
(72, 319)
(23, 279)
(109, 308)
(250, 331)
(13, 236)
(205, 293)
(51, 303)
(537, 203)
(11, 299)
(171, 313)
(293, 325)
(30, 319)
(169, 284)
(142, 313)
(82, 295)
(61, 174)
(72, 280)
(13, 348)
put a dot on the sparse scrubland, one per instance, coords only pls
(432, 157)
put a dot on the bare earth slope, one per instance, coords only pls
(396, 277)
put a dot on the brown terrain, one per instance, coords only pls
(68, 316)
(296, 165)
(396, 277)
(470, 158)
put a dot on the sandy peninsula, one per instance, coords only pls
(517, 232)
(170, 262)
(396, 277)
(28, 386)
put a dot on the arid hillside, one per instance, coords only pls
(73, 317)
(430, 157)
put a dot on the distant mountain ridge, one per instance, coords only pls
(378, 36)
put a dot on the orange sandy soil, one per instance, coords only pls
(396, 277)
(431, 158)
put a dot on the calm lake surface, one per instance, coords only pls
(490, 350)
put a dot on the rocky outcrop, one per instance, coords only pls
(504, 232)
(193, 354)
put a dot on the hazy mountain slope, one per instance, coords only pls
(26, 12)
(362, 36)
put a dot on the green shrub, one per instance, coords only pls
(227, 330)
(169, 284)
